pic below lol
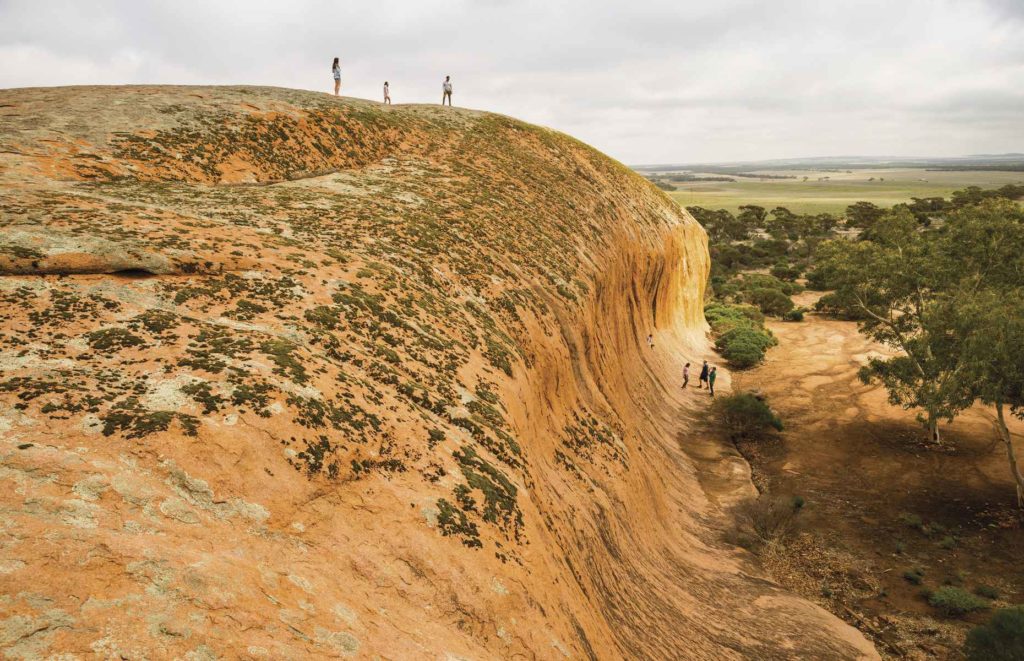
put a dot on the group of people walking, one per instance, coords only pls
(446, 86)
(708, 375)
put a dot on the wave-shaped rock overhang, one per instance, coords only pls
(283, 374)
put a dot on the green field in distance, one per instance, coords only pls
(890, 186)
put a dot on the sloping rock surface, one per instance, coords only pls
(289, 376)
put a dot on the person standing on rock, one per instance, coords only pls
(387, 93)
(336, 71)
(703, 375)
(686, 375)
(447, 91)
(712, 375)
(650, 341)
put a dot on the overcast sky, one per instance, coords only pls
(645, 81)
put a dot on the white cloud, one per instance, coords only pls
(644, 81)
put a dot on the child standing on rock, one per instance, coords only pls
(686, 374)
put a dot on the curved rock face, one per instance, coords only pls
(283, 375)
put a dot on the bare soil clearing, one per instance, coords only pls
(880, 500)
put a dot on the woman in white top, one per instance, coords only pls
(387, 93)
(336, 70)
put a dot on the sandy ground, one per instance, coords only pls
(866, 471)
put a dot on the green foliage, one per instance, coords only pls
(912, 520)
(741, 336)
(745, 346)
(915, 575)
(746, 416)
(909, 289)
(770, 301)
(132, 420)
(113, 339)
(721, 225)
(839, 305)
(863, 215)
(956, 602)
(794, 315)
(999, 639)
(785, 272)
(500, 505)
(986, 591)
(822, 277)
(452, 521)
(723, 317)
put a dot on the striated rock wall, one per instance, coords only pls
(284, 375)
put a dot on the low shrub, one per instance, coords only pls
(915, 576)
(986, 591)
(785, 272)
(956, 602)
(999, 639)
(723, 317)
(765, 521)
(746, 416)
(911, 520)
(744, 346)
(770, 301)
(794, 315)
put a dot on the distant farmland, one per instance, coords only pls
(889, 186)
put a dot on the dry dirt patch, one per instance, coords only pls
(881, 502)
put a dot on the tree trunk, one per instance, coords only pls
(1004, 434)
(933, 429)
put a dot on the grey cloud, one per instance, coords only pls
(646, 81)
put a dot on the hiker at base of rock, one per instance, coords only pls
(447, 93)
(712, 375)
(650, 341)
(704, 374)
(686, 374)
(336, 71)
(387, 93)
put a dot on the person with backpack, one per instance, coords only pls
(712, 375)
(703, 374)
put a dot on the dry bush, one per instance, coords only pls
(765, 521)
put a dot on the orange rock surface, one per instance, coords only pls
(289, 376)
